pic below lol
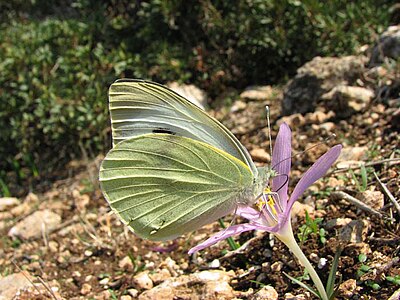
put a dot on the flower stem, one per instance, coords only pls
(287, 237)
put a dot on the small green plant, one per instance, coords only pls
(138, 266)
(361, 180)
(394, 279)
(364, 269)
(311, 226)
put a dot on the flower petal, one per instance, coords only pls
(317, 170)
(281, 162)
(248, 212)
(222, 235)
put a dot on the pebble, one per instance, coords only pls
(86, 289)
(33, 225)
(142, 281)
(257, 92)
(355, 231)
(266, 292)
(277, 266)
(8, 202)
(11, 284)
(374, 199)
(260, 155)
(348, 288)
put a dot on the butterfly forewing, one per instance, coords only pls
(139, 107)
(163, 185)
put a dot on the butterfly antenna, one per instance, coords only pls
(304, 151)
(269, 128)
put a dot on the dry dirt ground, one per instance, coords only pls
(89, 254)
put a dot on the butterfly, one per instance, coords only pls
(173, 168)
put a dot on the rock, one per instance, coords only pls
(395, 296)
(260, 155)
(374, 199)
(277, 266)
(126, 263)
(345, 100)
(318, 77)
(11, 284)
(86, 289)
(7, 202)
(258, 92)
(350, 154)
(160, 276)
(266, 292)
(299, 210)
(348, 288)
(290, 296)
(143, 281)
(327, 126)
(133, 292)
(126, 297)
(238, 106)
(190, 92)
(336, 223)
(354, 232)
(388, 46)
(32, 226)
(295, 120)
(211, 285)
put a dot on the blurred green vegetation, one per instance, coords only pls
(58, 57)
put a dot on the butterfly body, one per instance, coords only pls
(173, 168)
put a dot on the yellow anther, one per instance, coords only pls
(271, 202)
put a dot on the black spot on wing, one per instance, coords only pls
(163, 130)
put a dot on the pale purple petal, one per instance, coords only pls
(248, 212)
(224, 234)
(281, 162)
(317, 170)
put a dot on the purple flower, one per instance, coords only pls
(274, 213)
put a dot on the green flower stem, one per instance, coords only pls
(230, 240)
(287, 237)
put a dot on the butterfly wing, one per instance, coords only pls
(139, 107)
(163, 185)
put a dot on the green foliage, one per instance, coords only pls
(311, 226)
(57, 59)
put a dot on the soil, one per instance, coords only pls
(82, 258)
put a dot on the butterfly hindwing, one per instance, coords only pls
(163, 185)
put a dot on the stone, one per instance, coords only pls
(210, 285)
(299, 211)
(143, 281)
(126, 297)
(190, 92)
(345, 100)
(86, 289)
(348, 288)
(337, 223)
(355, 231)
(388, 45)
(257, 92)
(260, 155)
(266, 292)
(317, 77)
(294, 120)
(33, 225)
(160, 276)
(374, 199)
(7, 202)
(395, 296)
(125, 263)
(238, 106)
(11, 284)
(352, 154)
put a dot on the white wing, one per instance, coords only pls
(139, 107)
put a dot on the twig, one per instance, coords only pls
(388, 193)
(47, 287)
(356, 202)
(26, 276)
